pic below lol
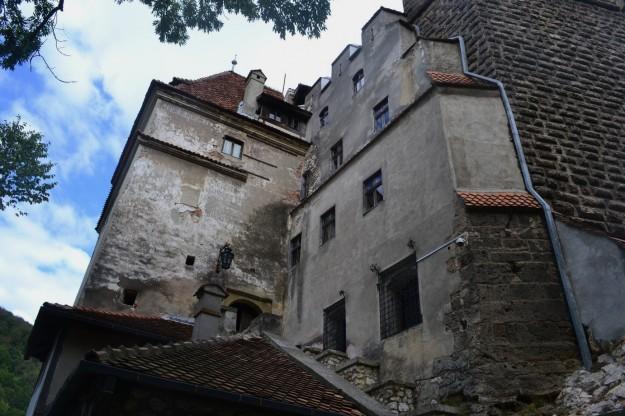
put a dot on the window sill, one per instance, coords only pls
(381, 203)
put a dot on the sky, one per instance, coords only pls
(112, 55)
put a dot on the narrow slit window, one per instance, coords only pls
(373, 191)
(381, 115)
(190, 261)
(232, 147)
(400, 306)
(305, 185)
(336, 153)
(334, 328)
(358, 81)
(295, 250)
(328, 226)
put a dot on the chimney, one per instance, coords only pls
(208, 311)
(254, 86)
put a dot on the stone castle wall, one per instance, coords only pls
(561, 62)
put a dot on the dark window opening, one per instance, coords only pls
(334, 328)
(381, 115)
(190, 261)
(337, 154)
(295, 250)
(232, 147)
(400, 306)
(129, 297)
(293, 123)
(305, 188)
(373, 191)
(358, 81)
(274, 115)
(324, 117)
(245, 315)
(328, 225)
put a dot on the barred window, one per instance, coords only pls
(381, 115)
(337, 154)
(295, 250)
(328, 223)
(334, 337)
(400, 306)
(373, 191)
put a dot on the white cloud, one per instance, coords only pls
(43, 257)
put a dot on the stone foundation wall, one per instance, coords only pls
(513, 340)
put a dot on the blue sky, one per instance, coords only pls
(113, 56)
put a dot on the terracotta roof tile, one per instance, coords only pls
(249, 365)
(455, 80)
(174, 330)
(225, 89)
(499, 200)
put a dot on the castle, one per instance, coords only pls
(435, 228)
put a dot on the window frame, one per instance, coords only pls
(324, 116)
(233, 142)
(335, 327)
(368, 188)
(358, 81)
(304, 191)
(294, 260)
(396, 286)
(326, 220)
(335, 155)
(381, 110)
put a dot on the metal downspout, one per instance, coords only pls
(569, 296)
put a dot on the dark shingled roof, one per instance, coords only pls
(224, 89)
(247, 365)
(499, 200)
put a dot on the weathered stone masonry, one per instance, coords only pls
(562, 62)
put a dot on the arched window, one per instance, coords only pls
(246, 313)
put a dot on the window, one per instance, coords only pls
(373, 191)
(295, 250)
(305, 189)
(323, 117)
(400, 307)
(334, 327)
(275, 116)
(358, 81)
(381, 115)
(336, 153)
(293, 123)
(246, 313)
(328, 222)
(190, 261)
(129, 296)
(232, 147)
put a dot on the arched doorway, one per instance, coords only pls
(246, 312)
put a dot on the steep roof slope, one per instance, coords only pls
(224, 89)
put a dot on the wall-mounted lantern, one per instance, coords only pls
(226, 255)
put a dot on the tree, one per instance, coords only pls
(24, 174)
(21, 37)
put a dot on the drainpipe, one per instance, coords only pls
(569, 296)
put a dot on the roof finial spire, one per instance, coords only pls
(234, 62)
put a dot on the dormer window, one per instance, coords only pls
(324, 117)
(358, 81)
(232, 147)
(275, 116)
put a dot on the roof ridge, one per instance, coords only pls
(114, 313)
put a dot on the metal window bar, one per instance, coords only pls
(334, 327)
(400, 307)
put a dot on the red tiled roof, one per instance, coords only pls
(455, 80)
(167, 328)
(499, 200)
(225, 89)
(249, 365)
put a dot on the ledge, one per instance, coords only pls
(356, 361)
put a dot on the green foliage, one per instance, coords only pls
(17, 376)
(24, 174)
(21, 36)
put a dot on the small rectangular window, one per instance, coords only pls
(129, 297)
(232, 147)
(400, 306)
(381, 115)
(328, 225)
(324, 117)
(337, 154)
(295, 250)
(373, 191)
(334, 328)
(305, 188)
(358, 81)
